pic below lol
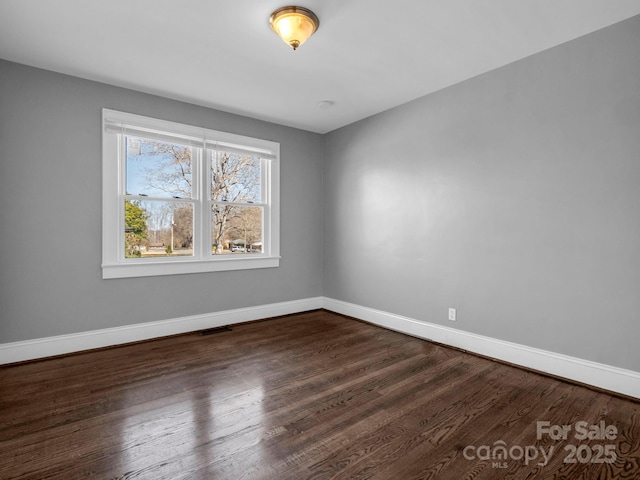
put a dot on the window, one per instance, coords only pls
(183, 199)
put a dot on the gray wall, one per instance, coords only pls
(50, 214)
(514, 197)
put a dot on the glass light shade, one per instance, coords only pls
(294, 25)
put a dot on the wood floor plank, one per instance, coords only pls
(308, 396)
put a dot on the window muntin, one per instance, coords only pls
(181, 199)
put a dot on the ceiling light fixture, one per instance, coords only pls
(294, 24)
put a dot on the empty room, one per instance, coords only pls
(325, 240)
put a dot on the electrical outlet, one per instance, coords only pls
(452, 314)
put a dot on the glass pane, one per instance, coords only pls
(235, 177)
(236, 230)
(158, 229)
(158, 169)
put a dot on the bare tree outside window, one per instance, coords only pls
(235, 182)
(160, 174)
(159, 170)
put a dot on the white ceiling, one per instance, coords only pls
(367, 56)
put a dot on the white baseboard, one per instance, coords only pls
(626, 382)
(76, 342)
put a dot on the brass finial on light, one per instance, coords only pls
(294, 24)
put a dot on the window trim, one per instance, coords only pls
(114, 265)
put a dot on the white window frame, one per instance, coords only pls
(114, 263)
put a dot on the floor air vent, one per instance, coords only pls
(211, 331)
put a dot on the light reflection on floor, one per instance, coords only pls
(203, 426)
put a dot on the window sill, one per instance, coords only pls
(149, 268)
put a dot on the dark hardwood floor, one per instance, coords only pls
(308, 396)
